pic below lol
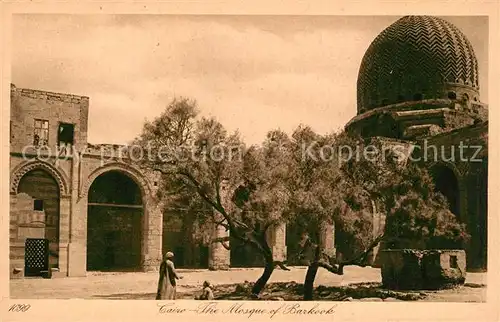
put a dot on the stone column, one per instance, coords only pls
(64, 222)
(378, 226)
(327, 238)
(219, 256)
(77, 246)
(152, 235)
(276, 239)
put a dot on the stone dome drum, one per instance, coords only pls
(415, 58)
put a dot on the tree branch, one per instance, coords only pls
(327, 262)
(221, 223)
(223, 241)
(202, 194)
(361, 258)
(335, 269)
(281, 265)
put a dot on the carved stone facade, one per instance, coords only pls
(446, 124)
(73, 167)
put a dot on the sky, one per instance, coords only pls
(253, 73)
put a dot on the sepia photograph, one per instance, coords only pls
(329, 158)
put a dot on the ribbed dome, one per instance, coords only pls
(414, 58)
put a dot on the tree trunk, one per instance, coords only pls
(266, 275)
(312, 270)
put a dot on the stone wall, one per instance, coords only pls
(423, 269)
(28, 105)
(74, 173)
(24, 223)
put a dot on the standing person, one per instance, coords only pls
(167, 284)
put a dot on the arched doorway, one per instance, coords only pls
(244, 255)
(446, 183)
(114, 224)
(298, 251)
(44, 190)
(482, 223)
(187, 237)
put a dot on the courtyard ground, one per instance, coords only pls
(231, 284)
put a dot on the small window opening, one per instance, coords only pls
(66, 134)
(41, 135)
(453, 261)
(452, 95)
(38, 205)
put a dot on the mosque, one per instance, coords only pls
(71, 213)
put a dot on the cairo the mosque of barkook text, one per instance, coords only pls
(417, 81)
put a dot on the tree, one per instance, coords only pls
(360, 178)
(320, 193)
(197, 155)
(417, 215)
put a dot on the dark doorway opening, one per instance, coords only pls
(446, 183)
(114, 224)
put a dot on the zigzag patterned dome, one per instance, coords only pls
(415, 58)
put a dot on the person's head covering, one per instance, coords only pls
(206, 284)
(169, 255)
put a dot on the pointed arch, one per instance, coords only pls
(24, 168)
(131, 171)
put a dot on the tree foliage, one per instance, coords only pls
(242, 185)
(305, 179)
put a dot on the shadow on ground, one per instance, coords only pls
(292, 291)
(295, 291)
(126, 296)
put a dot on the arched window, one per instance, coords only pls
(446, 183)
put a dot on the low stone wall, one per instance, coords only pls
(407, 269)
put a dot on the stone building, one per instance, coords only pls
(97, 210)
(417, 85)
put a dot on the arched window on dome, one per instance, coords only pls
(452, 95)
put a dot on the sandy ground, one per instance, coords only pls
(143, 285)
